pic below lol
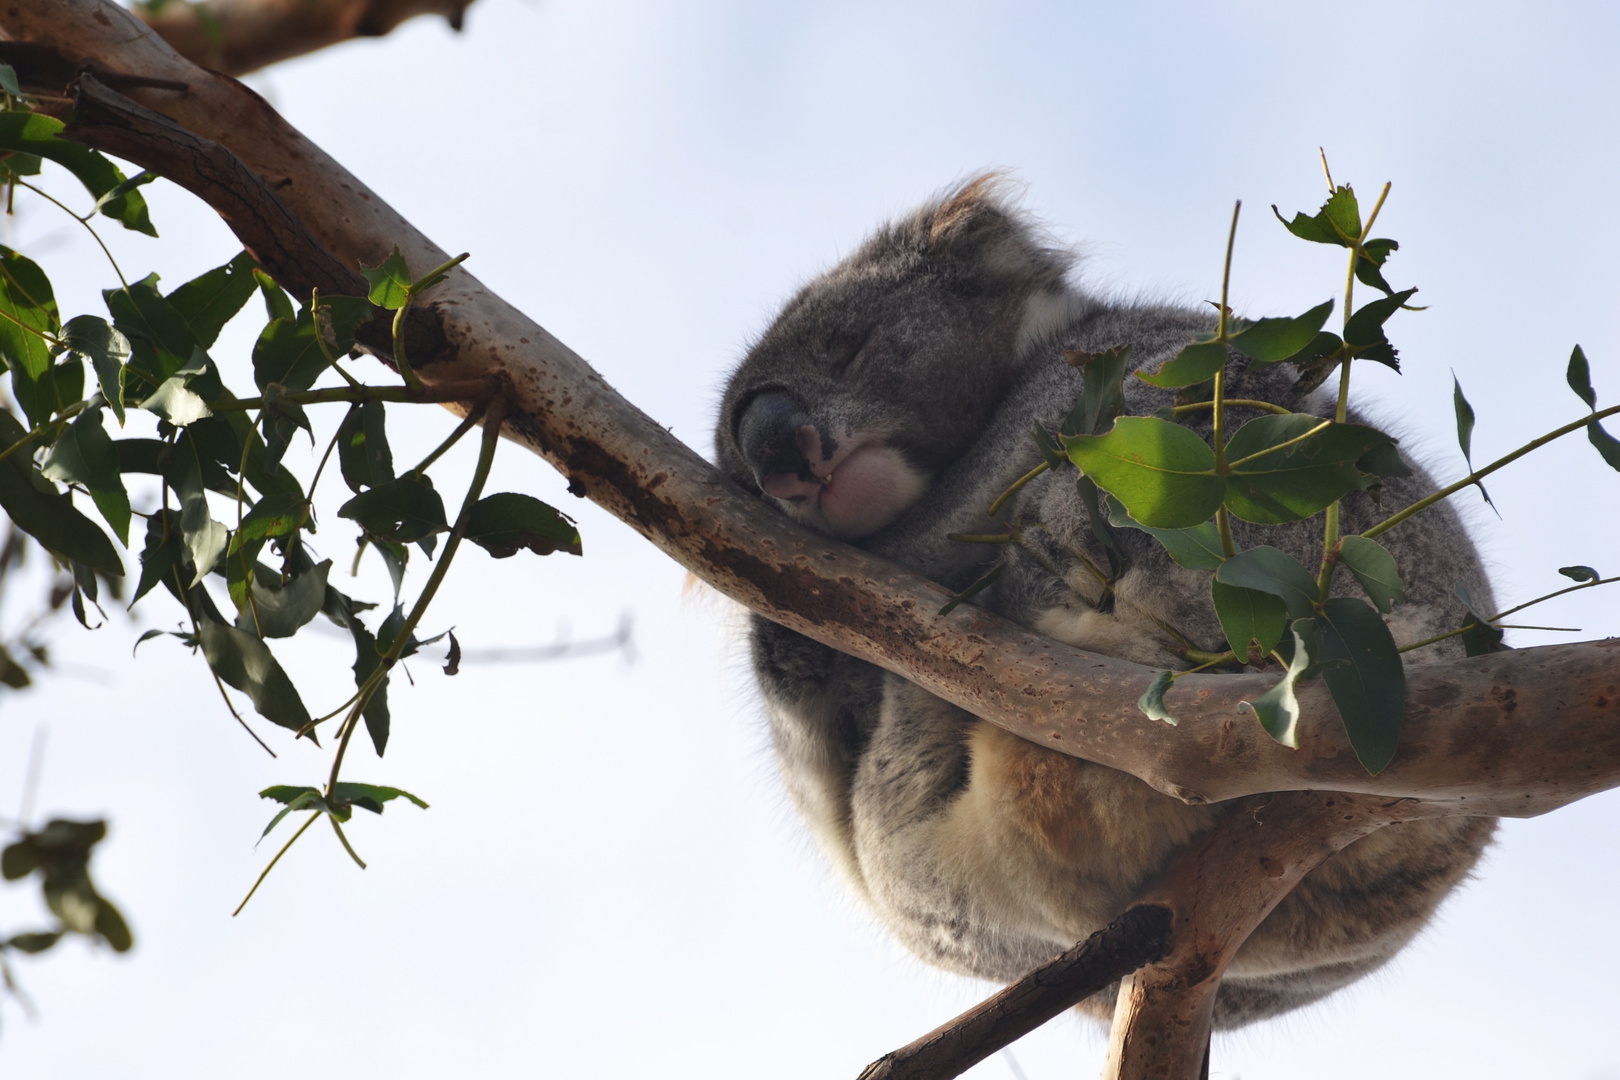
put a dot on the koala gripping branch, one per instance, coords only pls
(1464, 743)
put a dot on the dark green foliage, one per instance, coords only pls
(506, 523)
(1369, 688)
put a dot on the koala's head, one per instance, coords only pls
(885, 369)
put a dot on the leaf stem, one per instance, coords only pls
(1479, 474)
(1001, 500)
(462, 428)
(361, 863)
(1234, 403)
(1280, 446)
(266, 872)
(85, 221)
(1549, 596)
(493, 417)
(412, 379)
(1223, 521)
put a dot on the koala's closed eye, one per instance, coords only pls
(847, 350)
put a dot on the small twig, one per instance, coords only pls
(272, 865)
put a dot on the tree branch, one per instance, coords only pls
(239, 36)
(1137, 937)
(1463, 743)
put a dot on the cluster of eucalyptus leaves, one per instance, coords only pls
(229, 535)
(1154, 474)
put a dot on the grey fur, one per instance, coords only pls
(934, 345)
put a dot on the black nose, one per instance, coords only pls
(767, 434)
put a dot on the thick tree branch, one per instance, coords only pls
(1464, 742)
(239, 36)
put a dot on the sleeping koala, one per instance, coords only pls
(888, 405)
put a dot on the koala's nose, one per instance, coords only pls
(772, 435)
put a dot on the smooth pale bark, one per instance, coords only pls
(239, 36)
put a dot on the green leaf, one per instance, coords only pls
(1384, 461)
(1607, 445)
(245, 662)
(177, 404)
(35, 507)
(989, 578)
(1341, 209)
(1370, 689)
(1051, 451)
(1192, 365)
(1248, 615)
(1272, 340)
(1196, 548)
(209, 301)
(204, 537)
(161, 553)
(1161, 472)
(1579, 377)
(36, 942)
(277, 305)
(27, 315)
(1480, 636)
(274, 515)
(371, 796)
(296, 798)
(8, 80)
(1376, 570)
(38, 134)
(390, 282)
(18, 860)
(112, 927)
(405, 511)
(1296, 481)
(1369, 264)
(84, 454)
(343, 611)
(1102, 382)
(281, 610)
(1152, 700)
(281, 420)
(1278, 709)
(1269, 570)
(505, 523)
(1366, 326)
(362, 446)
(287, 353)
(1579, 573)
(1465, 430)
(144, 313)
(98, 341)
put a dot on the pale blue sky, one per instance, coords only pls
(608, 883)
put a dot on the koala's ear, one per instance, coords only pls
(980, 223)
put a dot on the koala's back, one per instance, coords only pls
(983, 853)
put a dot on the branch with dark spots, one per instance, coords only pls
(1138, 937)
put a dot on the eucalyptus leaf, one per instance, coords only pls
(1607, 446)
(38, 509)
(302, 798)
(1192, 365)
(280, 610)
(1152, 700)
(1375, 568)
(1579, 573)
(362, 447)
(1269, 570)
(108, 350)
(1196, 548)
(1366, 326)
(372, 796)
(1273, 340)
(40, 135)
(27, 318)
(204, 537)
(84, 454)
(1465, 431)
(287, 353)
(1278, 709)
(1298, 480)
(1370, 688)
(390, 282)
(405, 511)
(1161, 472)
(243, 661)
(1579, 377)
(210, 300)
(507, 522)
(1252, 620)
(161, 553)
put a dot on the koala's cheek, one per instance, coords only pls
(868, 490)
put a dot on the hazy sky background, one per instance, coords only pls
(609, 882)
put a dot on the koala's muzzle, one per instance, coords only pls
(781, 445)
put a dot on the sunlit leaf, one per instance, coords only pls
(390, 282)
(1196, 548)
(1160, 471)
(38, 134)
(1192, 365)
(280, 610)
(1273, 340)
(27, 315)
(362, 447)
(1295, 481)
(209, 301)
(108, 350)
(204, 537)
(243, 661)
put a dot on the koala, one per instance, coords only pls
(888, 405)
